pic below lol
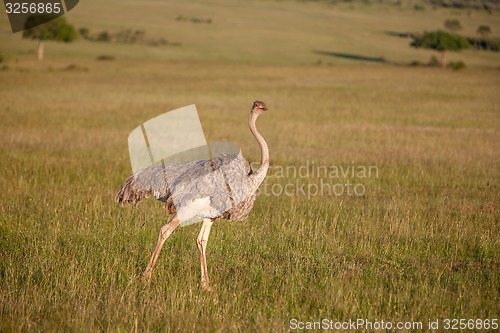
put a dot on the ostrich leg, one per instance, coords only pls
(202, 241)
(165, 232)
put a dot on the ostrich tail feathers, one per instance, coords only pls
(130, 192)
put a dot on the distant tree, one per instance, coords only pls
(440, 41)
(57, 30)
(452, 25)
(484, 30)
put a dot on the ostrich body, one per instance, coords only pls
(224, 186)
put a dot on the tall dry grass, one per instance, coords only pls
(421, 243)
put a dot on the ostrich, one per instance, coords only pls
(193, 190)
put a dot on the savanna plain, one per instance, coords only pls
(419, 243)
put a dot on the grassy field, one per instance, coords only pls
(262, 32)
(421, 243)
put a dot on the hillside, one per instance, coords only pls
(271, 32)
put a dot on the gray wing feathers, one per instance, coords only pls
(222, 179)
(142, 184)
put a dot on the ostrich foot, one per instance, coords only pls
(146, 277)
(206, 286)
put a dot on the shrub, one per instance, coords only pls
(485, 44)
(456, 65)
(105, 57)
(84, 32)
(484, 30)
(103, 37)
(75, 68)
(453, 25)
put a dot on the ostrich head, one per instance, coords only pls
(259, 107)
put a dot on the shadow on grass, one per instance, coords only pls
(400, 34)
(352, 56)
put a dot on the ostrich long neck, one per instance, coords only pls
(260, 174)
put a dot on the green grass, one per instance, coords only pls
(420, 244)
